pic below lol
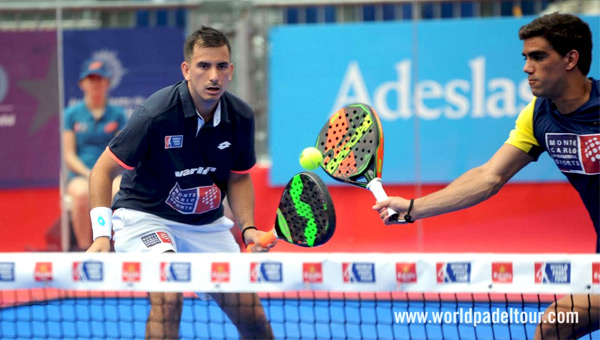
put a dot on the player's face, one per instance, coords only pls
(208, 73)
(545, 68)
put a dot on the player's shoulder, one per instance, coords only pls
(236, 107)
(162, 101)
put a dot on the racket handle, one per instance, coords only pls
(263, 240)
(376, 188)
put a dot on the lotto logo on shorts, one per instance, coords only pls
(219, 272)
(596, 273)
(175, 271)
(156, 238)
(131, 272)
(312, 272)
(87, 271)
(406, 272)
(172, 142)
(358, 272)
(266, 272)
(43, 271)
(7, 271)
(453, 272)
(502, 272)
(552, 272)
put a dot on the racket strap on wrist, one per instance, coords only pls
(244, 232)
(407, 217)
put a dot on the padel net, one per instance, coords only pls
(312, 296)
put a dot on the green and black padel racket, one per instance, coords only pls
(305, 216)
(352, 146)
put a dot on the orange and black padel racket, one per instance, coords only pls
(352, 146)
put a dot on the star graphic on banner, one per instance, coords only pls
(45, 91)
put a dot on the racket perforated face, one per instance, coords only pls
(305, 216)
(352, 145)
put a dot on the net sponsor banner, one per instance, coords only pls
(29, 110)
(343, 272)
(450, 90)
(141, 61)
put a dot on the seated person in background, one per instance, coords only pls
(89, 126)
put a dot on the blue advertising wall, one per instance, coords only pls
(141, 61)
(447, 92)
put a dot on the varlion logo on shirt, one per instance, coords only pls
(199, 170)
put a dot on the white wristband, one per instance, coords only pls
(101, 222)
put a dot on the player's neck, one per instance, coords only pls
(577, 93)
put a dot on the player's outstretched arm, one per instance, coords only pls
(101, 179)
(473, 187)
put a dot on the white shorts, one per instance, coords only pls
(137, 232)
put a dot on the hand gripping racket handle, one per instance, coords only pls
(376, 188)
(263, 240)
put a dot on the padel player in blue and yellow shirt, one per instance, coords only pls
(563, 120)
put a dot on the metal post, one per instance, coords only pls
(65, 228)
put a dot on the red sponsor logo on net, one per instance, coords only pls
(596, 273)
(406, 272)
(502, 272)
(312, 272)
(43, 271)
(131, 272)
(219, 272)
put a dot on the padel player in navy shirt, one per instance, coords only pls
(185, 149)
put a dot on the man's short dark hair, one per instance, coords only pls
(565, 32)
(204, 37)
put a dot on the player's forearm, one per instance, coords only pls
(241, 199)
(100, 189)
(472, 187)
(101, 181)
